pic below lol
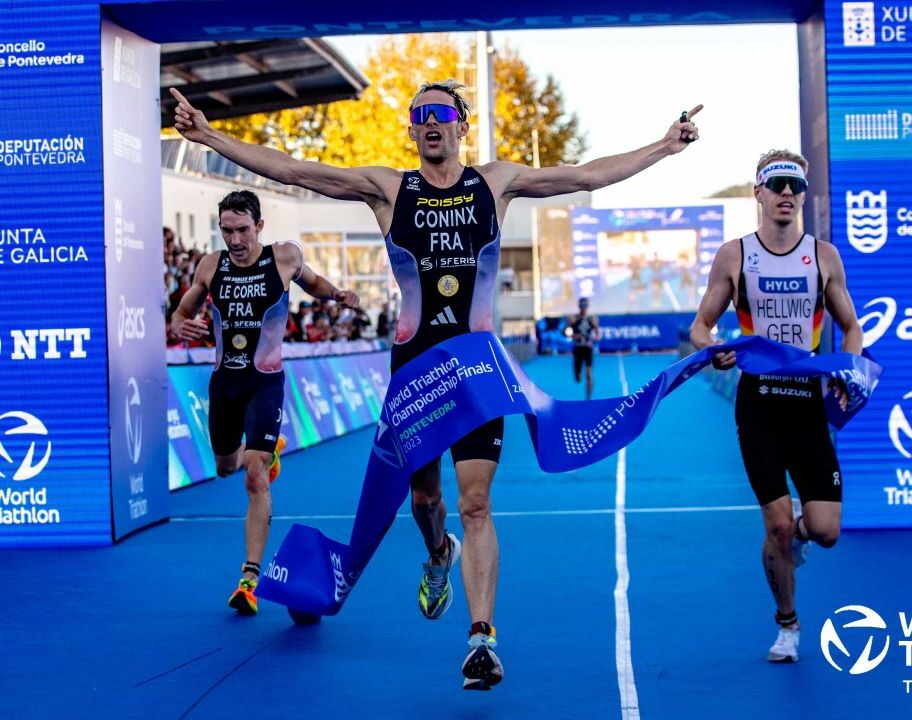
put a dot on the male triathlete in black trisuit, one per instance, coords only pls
(780, 280)
(585, 332)
(446, 272)
(249, 284)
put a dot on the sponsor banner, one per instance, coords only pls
(190, 454)
(869, 75)
(644, 259)
(659, 331)
(857, 640)
(54, 463)
(468, 380)
(325, 397)
(136, 355)
(155, 20)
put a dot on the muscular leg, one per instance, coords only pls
(259, 509)
(777, 553)
(481, 553)
(821, 522)
(429, 510)
(589, 382)
(225, 465)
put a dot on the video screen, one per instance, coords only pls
(632, 260)
(646, 271)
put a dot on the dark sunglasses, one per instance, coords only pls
(778, 183)
(444, 113)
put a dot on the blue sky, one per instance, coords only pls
(628, 84)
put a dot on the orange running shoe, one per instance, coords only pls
(243, 599)
(276, 467)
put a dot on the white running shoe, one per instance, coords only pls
(785, 649)
(800, 548)
(482, 668)
(435, 593)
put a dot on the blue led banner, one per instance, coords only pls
(325, 397)
(463, 382)
(190, 456)
(237, 19)
(869, 76)
(54, 467)
(647, 331)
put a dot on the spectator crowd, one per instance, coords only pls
(313, 321)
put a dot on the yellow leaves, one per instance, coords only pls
(373, 130)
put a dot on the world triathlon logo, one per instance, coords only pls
(900, 429)
(38, 444)
(856, 640)
(133, 420)
(868, 628)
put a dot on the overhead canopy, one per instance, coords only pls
(230, 79)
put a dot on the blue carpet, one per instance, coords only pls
(141, 630)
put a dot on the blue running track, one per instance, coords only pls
(142, 630)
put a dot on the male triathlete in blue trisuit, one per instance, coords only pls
(249, 285)
(442, 227)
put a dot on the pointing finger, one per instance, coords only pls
(694, 111)
(177, 96)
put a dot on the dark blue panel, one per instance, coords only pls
(869, 74)
(165, 20)
(54, 473)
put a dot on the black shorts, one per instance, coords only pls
(581, 354)
(245, 406)
(483, 443)
(782, 427)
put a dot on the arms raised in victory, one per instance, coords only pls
(365, 184)
(522, 181)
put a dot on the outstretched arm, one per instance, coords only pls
(521, 181)
(368, 184)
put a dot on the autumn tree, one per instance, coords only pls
(524, 115)
(373, 129)
(298, 131)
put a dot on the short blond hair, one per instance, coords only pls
(451, 87)
(786, 155)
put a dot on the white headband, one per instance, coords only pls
(780, 167)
